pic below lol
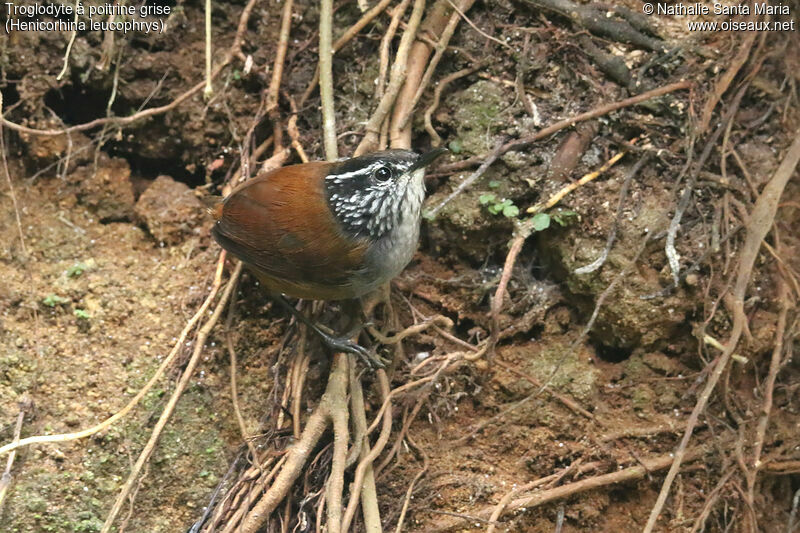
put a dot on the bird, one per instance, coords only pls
(327, 230)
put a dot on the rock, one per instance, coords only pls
(171, 211)
(108, 190)
(475, 115)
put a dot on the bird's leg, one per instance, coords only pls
(340, 344)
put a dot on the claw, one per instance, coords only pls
(343, 344)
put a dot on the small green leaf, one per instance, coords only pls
(510, 211)
(486, 198)
(494, 184)
(51, 300)
(495, 208)
(541, 222)
(76, 270)
(455, 146)
(237, 75)
(82, 314)
(564, 217)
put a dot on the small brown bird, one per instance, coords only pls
(327, 231)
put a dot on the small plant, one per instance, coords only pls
(52, 300)
(565, 217)
(77, 269)
(81, 314)
(541, 221)
(497, 206)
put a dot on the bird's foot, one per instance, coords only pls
(345, 344)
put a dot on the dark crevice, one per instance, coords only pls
(77, 105)
(612, 354)
(10, 95)
(151, 168)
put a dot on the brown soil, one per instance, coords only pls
(106, 254)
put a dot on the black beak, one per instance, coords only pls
(427, 158)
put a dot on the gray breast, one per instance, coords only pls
(391, 252)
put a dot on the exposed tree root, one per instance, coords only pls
(758, 226)
(535, 499)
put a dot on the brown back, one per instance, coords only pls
(280, 223)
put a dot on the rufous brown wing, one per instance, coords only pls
(279, 224)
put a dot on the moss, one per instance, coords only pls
(475, 115)
(552, 362)
(642, 398)
(625, 320)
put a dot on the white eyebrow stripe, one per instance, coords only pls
(360, 172)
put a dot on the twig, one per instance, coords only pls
(434, 24)
(562, 124)
(111, 98)
(759, 224)
(326, 84)
(436, 140)
(726, 79)
(234, 50)
(711, 250)
(294, 133)
(69, 49)
(612, 235)
(700, 521)
(369, 494)
(631, 473)
(232, 522)
(271, 99)
(398, 76)
(280, 56)
(234, 389)
(368, 456)
(461, 11)
(567, 189)
(25, 407)
(297, 456)
(522, 232)
(209, 89)
(506, 499)
(672, 255)
(441, 46)
(411, 330)
(338, 413)
(254, 156)
(386, 43)
(519, 82)
(408, 419)
(475, 176)
(64, 437)
(10, 187)
(410, 491)
(772, 375)
(300, 367)
(343, 40)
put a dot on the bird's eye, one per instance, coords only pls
(383, 174)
